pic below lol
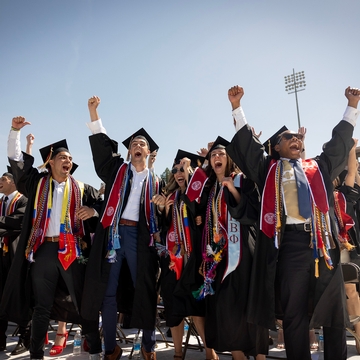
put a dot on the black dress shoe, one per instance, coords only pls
(22, 346)
(2, 343)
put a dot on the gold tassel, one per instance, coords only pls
(316, 268)
(43, 166)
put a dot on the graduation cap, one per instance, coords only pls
(270, 143)
(50, 151)
(195, 159)
(9, 173)
(219, 143)
(141, 134)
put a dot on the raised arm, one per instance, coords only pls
(93, 104)
(14, 146)
(102, 146)
(302, 130)
(353, 96)
(235, 94)
(245, 148)
(336, 151)
(29, 143)
(352, 166)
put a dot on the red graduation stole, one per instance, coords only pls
(270, 203)
(117, 194)
(196, 184)
(113, 202)
(344, 220)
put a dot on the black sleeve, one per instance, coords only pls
(104, 156)
(336, 151)
(247, 210)
(248, 154)
(91, 198)
(25, 175)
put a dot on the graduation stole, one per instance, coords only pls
(178, 237)
(222, 235)
(10, 209)
(344, 221)
(196, 185)
(272, 203)
(71, 227)
(114, 205)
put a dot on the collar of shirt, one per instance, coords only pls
(299, 159)
(11, 196)
(133, 169)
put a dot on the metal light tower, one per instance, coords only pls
(293, 84)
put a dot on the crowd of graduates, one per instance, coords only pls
(243, 236)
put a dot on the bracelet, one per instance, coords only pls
(14, 129)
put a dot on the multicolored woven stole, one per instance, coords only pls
(10, 209)
(178, 237)
(272, 203)
(71, 228)
(219, 235)
(115, 203)
(344, 221)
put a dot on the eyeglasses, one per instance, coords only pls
(175, 170)
(288, 136)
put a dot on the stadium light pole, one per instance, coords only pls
(293, 84)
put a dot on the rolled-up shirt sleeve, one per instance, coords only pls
(350, 115)
(239, 117)
(14, 146)
(96, 127)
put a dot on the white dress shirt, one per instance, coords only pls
(131, 211)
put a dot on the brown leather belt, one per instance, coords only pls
(51, 238)
(128, 222)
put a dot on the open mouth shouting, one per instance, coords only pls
(180, 180)
(138, 154)
(66, 168)
(295, 146)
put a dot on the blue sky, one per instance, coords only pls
(167, 65)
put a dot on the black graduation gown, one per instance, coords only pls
(10, 226)
(98, 269)
(177, 294)
(328, 303)
(226, 325)
(17, 300)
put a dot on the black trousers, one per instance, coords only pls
(296, 276)
(45, 273)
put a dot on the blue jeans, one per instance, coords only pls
(128, 251)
